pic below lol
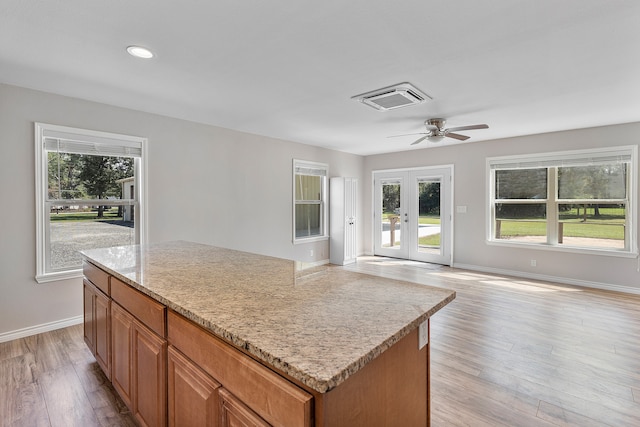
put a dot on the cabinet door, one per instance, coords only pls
(89, 324)
(234, 413)
(193, 395)
(121, 335)
(149, 376)
(350, 203)
(102, 317)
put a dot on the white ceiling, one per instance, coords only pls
(287, 69)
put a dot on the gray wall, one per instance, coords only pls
(470, 189)
(206, 184)
(231, 189)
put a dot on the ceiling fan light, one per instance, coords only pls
(436, 138)
(140, 52)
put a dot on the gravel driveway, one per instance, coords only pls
(67, 238)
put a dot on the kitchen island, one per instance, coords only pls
(194, 334)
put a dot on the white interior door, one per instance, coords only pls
(413, 214)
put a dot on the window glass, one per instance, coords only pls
(308, 187)
(521, 184)
(595, 225)
(310, 210)
(578, 199)
(87, 196)
(526, 222)
(308, 220)
(592, 182)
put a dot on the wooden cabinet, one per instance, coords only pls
(121, 338)
(89, 314)
(192, 394)
(342, 220)
(254, 387)
(170, 371)
(139, 354)
(102, 319)
(97, 325)
(234, 413)
(149, 397)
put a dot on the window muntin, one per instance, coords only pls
(310, 211)
(580, 200)
(89, 188)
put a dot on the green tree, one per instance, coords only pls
(429, 198)
(100, 173)
(63, 176)
(390, 197)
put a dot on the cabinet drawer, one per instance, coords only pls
(150, 312)
(271, 396)
(96, 276)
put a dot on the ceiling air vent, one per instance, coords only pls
(396, 96)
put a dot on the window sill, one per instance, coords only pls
(61, 275)
(567, 249)
(299, 241)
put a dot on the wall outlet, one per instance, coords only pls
(310, 252)
(534, 263)
(423, 334)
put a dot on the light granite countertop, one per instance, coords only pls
(318, 326)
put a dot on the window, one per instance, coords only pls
(580, 200)
(309, 200)
(89, 194)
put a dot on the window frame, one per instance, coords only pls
(84, 136)
(321, 169)
(552, 161)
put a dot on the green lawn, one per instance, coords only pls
(109, 215)
(432, 240)
(609, 225)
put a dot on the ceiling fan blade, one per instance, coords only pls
(409, 134)
(456, 136)
(419, 140)
(471, 127)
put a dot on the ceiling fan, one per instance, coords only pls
(436, 131)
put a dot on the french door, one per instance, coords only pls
(413, 214)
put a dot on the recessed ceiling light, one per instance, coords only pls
(140, 52)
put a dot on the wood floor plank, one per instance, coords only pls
(18, 371)
(563, 417)
(18, 347)
(50, 352)
(23, 406)
(66, 399)
(110, 410)
(574, 350)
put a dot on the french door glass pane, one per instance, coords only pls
(391, 215)
(429, 217)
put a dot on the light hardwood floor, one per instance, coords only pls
(507, 351)
(517, 352)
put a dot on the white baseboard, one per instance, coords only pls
(38, 329)
(543, 277)
(301, 265)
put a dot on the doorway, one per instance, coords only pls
(412, 214)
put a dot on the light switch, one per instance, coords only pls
(461, 209)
